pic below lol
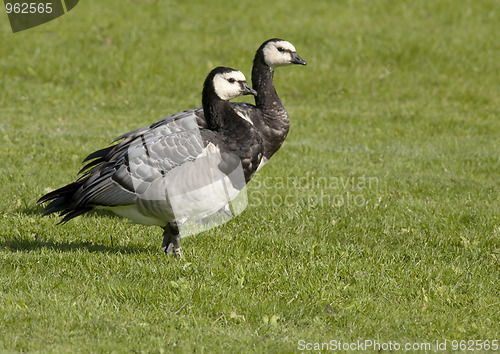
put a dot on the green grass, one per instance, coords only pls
(378, 219)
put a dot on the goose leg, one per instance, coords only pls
(172, 240)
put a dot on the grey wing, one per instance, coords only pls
(138, 172)
(178, 122)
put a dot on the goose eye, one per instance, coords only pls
(281, 49)
(231, 80)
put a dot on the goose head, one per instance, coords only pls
(278, 52)
(227, 83)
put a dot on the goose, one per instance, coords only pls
(166, 175)
(268, 114)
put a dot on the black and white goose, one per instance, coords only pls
(168, 174)
(268, 114)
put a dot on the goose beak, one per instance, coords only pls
(247, 90)
(296, 59)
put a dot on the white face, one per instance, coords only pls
(278, 53)
(228, 85)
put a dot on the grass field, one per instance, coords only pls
(379, 219)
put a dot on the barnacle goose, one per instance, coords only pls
(268, 114)
(169, 166)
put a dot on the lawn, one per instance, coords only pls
(378, 220)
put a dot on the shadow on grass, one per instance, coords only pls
(37, 244)
(40, 210)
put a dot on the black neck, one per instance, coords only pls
(219, 114)
(214, 108)
(262, 82)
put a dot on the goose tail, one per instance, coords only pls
(62, 201)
